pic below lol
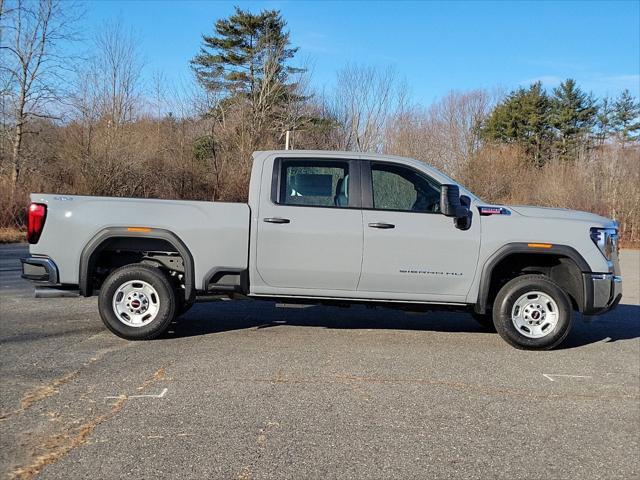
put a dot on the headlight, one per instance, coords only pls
(607, 240)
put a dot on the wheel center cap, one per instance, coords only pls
(535, 315)
(135, 303)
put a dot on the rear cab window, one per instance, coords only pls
(314, 183)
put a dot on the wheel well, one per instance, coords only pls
(116, 252)
(561, 269)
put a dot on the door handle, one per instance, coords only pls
(277, 220)
(382, 225)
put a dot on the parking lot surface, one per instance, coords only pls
(244, 390)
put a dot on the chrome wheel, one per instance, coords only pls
(535, 314)
(136, 303)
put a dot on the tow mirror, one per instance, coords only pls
(455, 206)
(450, 205)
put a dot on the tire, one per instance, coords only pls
(484, 319)
(137, 302)
(532, 312)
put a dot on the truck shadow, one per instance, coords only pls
(206, 318)
(621, 324)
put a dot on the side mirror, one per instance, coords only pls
(456, 206)
(450, 205)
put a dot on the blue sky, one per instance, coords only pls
(434, 46)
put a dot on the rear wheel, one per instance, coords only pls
(532, 312)
(137, 302)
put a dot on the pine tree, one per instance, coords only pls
(234, 59)
(604, 121)
(523, 118)
(626, 117)
(573, 115)
(246, 63)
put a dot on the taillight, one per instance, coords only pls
(37, 216)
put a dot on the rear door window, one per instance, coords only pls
(314, 183)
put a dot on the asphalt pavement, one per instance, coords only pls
(244, 390)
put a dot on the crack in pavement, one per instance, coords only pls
(58, 445)
(69, 437)
(42, 392)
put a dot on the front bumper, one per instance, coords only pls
(40, 270)
(603, 291)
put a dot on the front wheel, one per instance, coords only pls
(532, 312)
(137, 302)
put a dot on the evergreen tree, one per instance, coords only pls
(573, 115)
(234, 59)
(246, 62)
(604, 120)
(523, 118)
(626, 117)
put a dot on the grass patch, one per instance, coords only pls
(12, 235)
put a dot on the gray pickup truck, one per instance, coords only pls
(335, 228)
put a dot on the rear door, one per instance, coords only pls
(409, 246)
(310, 227)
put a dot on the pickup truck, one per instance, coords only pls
(329, 228)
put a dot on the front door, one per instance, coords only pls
(310, 229)
(409, 246)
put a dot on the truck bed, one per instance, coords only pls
(216, 233)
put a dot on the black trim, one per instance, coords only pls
(355, 196)
(589, 305)
(588, 295)
(521, 247)
(276, 220)
(48, 276)
(216, 273)
(366, 185)
(382, 303)
(87, 257)
(382, 225)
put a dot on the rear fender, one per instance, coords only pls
(93, 247)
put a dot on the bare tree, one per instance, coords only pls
(117, 68)
(33, 33)
(446, 135)
(298, 114)
(364, 100)
(107, 98)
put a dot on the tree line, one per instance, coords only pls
(563, 123)
(90, 124)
